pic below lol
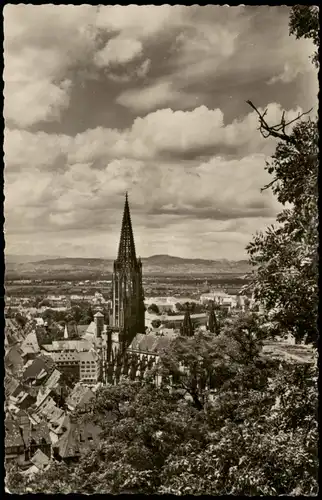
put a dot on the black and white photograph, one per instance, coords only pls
(161, 249)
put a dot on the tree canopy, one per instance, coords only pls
(286, 255)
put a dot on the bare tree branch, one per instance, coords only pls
(269, 185)
(278, 130)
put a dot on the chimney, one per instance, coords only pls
(99, 324)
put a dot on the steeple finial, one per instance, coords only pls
(126, 253)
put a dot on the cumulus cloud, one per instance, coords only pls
(139, 21)
(118, 51)
(82, 198)
(154, 96)
(41, 43)
(199, 132)
(164, 135)
(151, 100)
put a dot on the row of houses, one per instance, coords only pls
(38, 420)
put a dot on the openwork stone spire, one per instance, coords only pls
(128, 295)
(126, 253)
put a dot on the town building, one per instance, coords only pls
(216, 296)
(67, 346)
(90, 367)
(30, 347)
(14, 360)
(23, 439)
(80, 397)
(77, 439)
(67, 363)
(13, 332)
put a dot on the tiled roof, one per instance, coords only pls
(30, 471)
(30, 343)
(64, 356)
(68, 444)
(76, 345)
(53, 380)
(11, 384)
(42, 395)
(57, 423)
(88, 356)
(17, 390)
(22, 417)
(64, 424)
(55, 414)
(149, 343)
(13, 358)
(40, 431)
(13, 331)
(47, 347)
(50, 411)
(79, 396)
(47, 360)
(38, 365)
(26, 401)
(40, 460)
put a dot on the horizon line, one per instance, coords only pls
(49, 257)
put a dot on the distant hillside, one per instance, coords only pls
(170, 260)
(16, 259)
(95, 268)
(71, 261)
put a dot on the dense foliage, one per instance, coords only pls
(304, 23)
(286, 255)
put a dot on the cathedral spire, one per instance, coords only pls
(128, 295)
(126, 253)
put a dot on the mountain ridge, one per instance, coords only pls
(157, 259)
(97, 267)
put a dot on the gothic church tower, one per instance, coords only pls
(128, 297)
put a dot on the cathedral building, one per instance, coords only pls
(128, 298)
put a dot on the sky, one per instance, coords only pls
(100, 100)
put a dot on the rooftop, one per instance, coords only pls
(88, 356)
(64, 356)
(149, 343)
(79, 396)
(40, 460)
